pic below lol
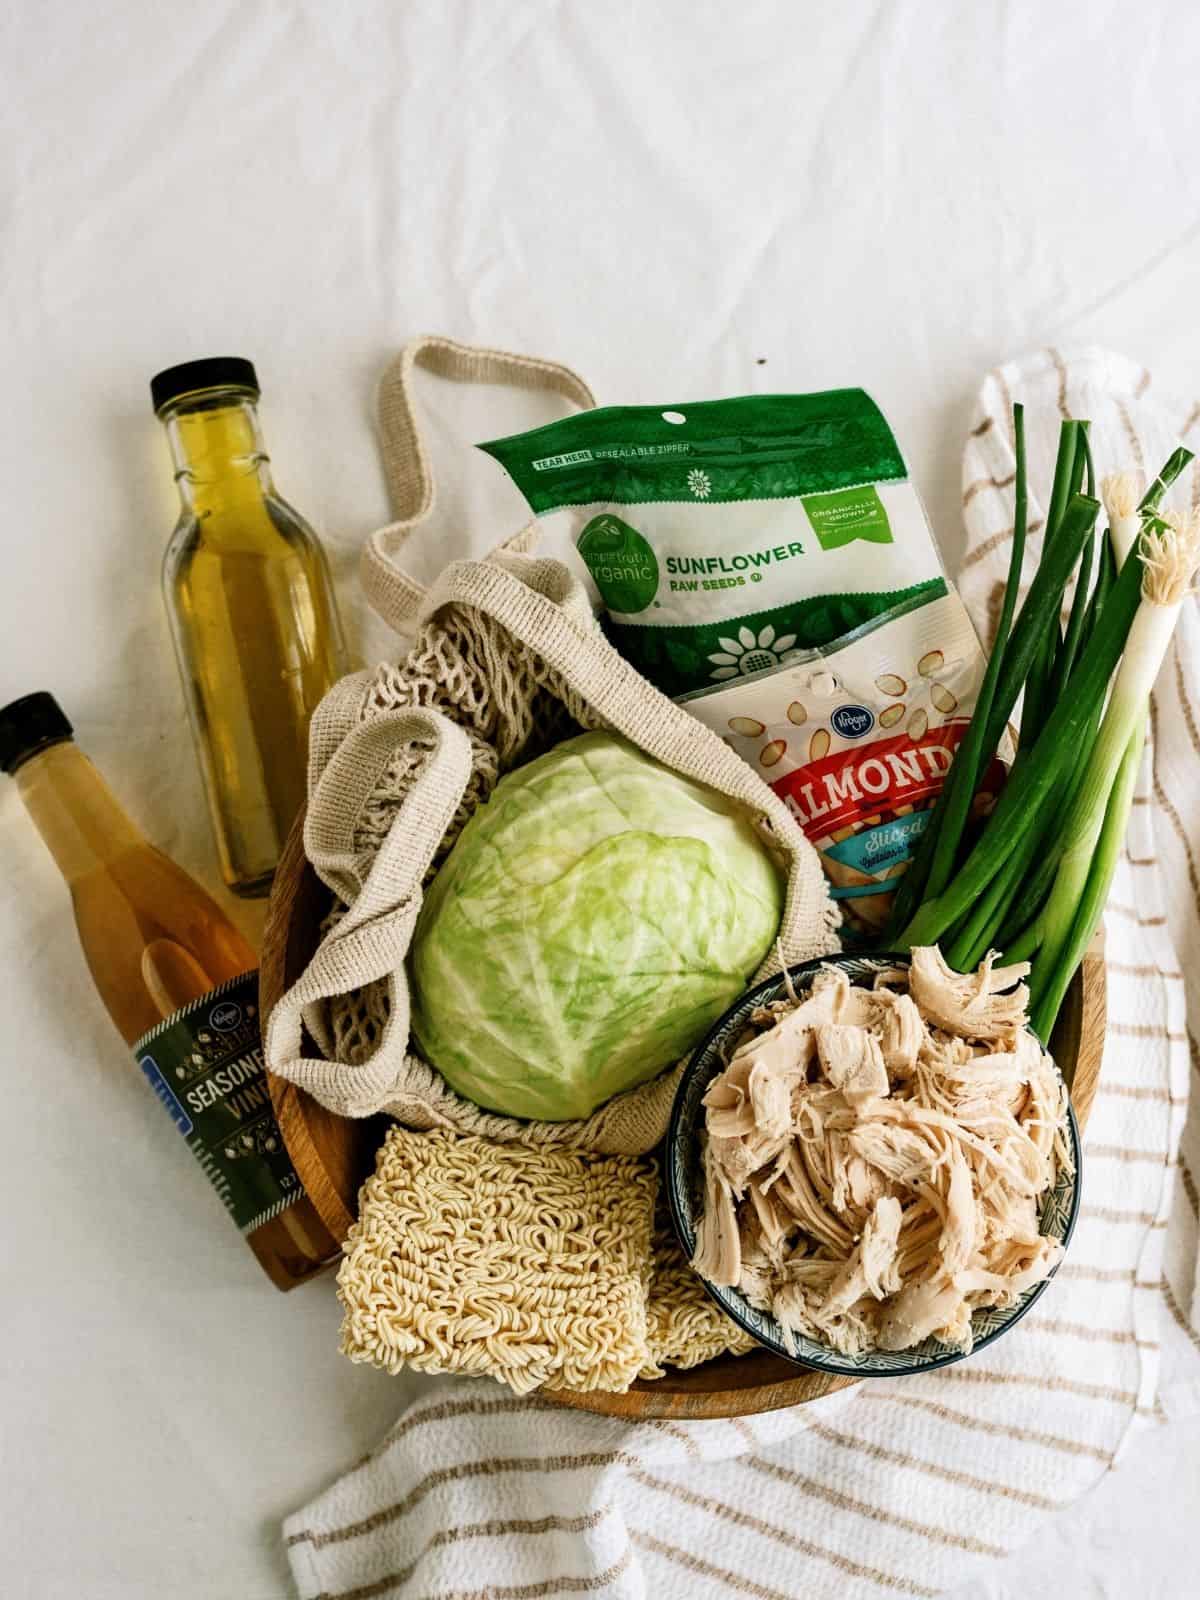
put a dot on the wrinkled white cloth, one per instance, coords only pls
(681, 199)
(913, 1485)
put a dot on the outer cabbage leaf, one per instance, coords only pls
(593, 919)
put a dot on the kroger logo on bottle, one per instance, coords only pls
(851, 722)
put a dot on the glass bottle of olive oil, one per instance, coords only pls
(178, 980)
(252, 611)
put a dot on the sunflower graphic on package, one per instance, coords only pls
(750, 652)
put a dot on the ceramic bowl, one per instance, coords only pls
(684, 1181)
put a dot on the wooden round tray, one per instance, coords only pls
(333, 1155)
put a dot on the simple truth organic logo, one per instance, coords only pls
(623, 565)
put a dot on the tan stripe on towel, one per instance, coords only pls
(783, 1536)
(1003, 1430)
(1143, 1219)
(1138, 1091)
(1146, 1030)
(1160, 794)
(1060, 367)
(676, 1432)
(1085, 1330)
(1129, 914)
(475, 1530)
(545, 1587)
(845, 1502)
(1077, 1269)
(450, 1410)
(318, 1538)
(1130, 969)
(1119, 1152)
(746, 1431)
(931, 1469)
(732, 1581)
(1185, 704)
(994, 541)
(1131, 433)
(990, 482)
(1077, 1386)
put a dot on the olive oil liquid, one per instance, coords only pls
(256, 630)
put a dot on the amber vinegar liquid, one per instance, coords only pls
(255, 624)
(155, 943)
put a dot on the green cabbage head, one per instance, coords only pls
(593, 919)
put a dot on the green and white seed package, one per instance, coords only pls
(723, 536)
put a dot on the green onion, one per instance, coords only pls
(1065, 659)
(1074, 458)
(1165, 558)
(1106, 571)
(963, 776)
(930, 870)
(1039, 614)
(966, 770)
(1035, 880)
(1020, 926)
(1032, 783)
(1044, 1009)
(978, 931)
(1176, 462)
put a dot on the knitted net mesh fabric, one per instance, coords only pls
(508, 661)
(509, 652)
(510, 704)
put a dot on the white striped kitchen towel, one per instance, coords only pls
(908, 1486)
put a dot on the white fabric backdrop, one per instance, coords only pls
(897, 195)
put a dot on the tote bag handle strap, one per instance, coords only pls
(372, 940)
(395, 595)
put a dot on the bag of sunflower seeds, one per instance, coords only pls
(725, 536)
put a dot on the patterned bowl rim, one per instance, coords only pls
(681, 1151)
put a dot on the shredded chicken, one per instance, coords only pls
(875, 1158)
(852, 1061)
(973, 1005)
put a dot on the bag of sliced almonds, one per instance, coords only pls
(857, 738)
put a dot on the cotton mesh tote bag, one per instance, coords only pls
(506, 660)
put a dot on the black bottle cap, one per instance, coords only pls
(215, 372)
(28, 725)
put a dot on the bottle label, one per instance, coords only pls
(205, 1064)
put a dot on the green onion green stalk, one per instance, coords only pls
(1035, 880)
(1168, 552)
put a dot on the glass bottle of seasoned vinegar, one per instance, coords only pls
(252, 610)
(178, 981)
